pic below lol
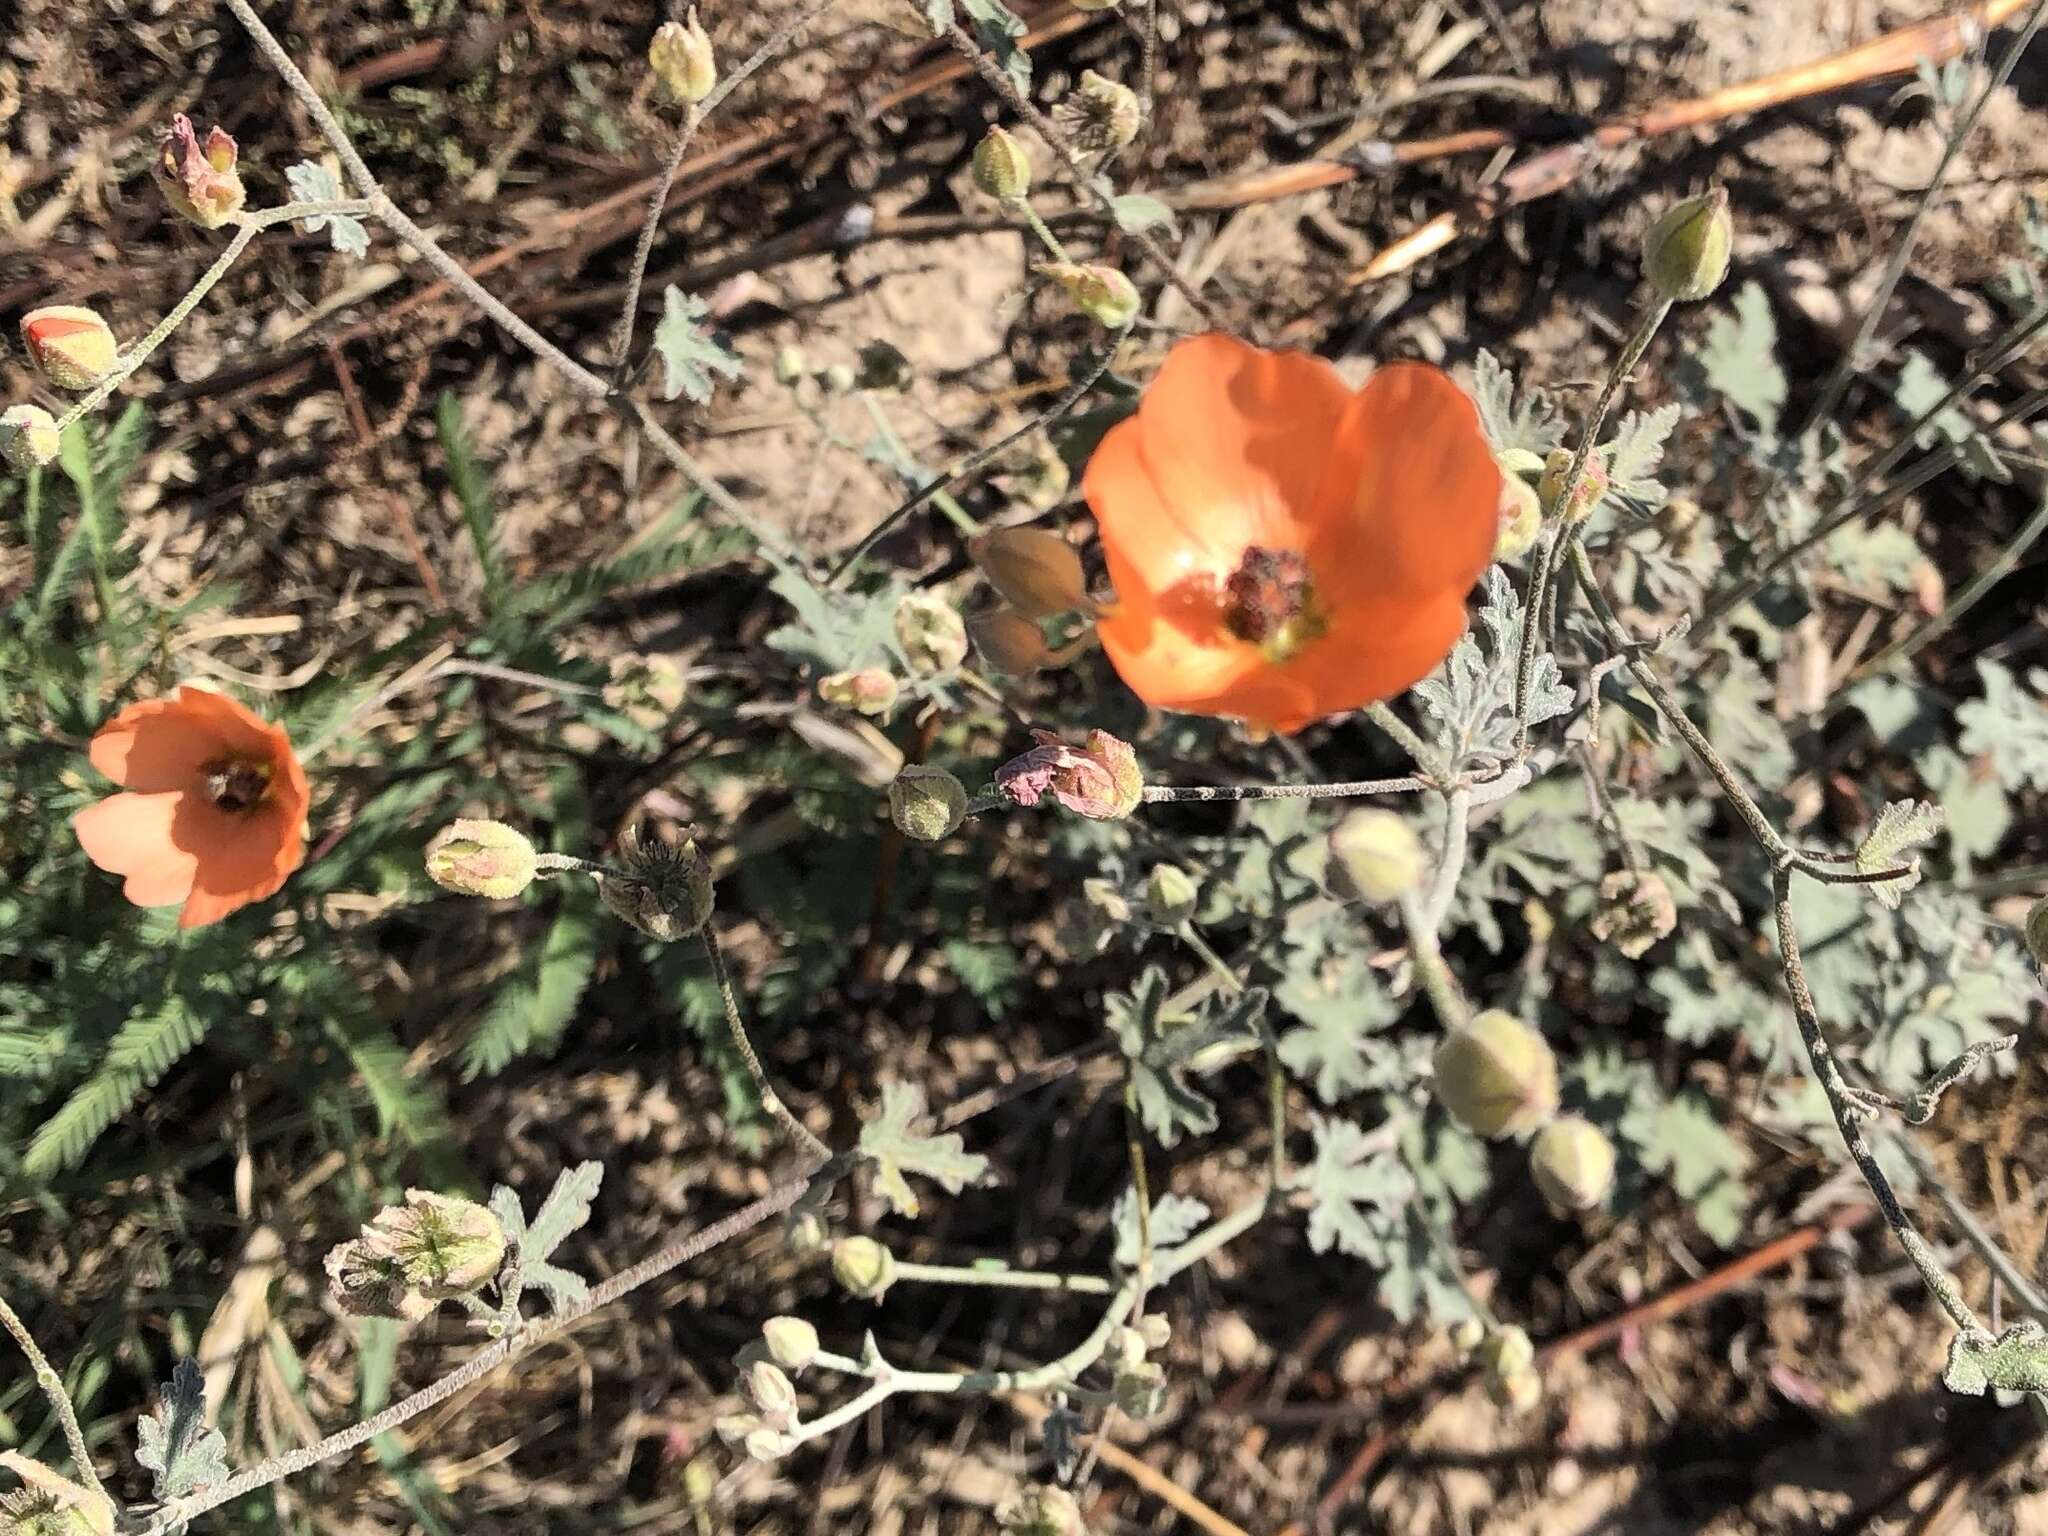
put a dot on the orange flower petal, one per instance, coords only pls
(1410, 501)
(155, 747)
(131, 835)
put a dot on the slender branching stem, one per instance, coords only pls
(736, 1031)
(643, 248)
(1561, 535)
(52, 1386)
(958, 475)
(1187, 794)
(1006, 1279)
(965, 45)
(519, 1342)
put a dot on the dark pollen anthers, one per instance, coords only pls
(1267, 595)
(237, 785)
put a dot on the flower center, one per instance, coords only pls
(1270, 602)
(237, 785)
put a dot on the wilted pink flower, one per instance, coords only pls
(199, 180)
(1100, 780)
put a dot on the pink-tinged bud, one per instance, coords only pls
(1102, 293)
(71, 346)
(1586, 495)
(29, 437)
(198, 178)
(1100, 781)
(870, 691)
(481, 858)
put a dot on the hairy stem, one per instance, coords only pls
(52, 1386)
(736, 1031)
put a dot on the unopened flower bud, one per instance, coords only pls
(71, 346)
(700, 1481)
(871, 691)
(1496, 1076)
(28, 436)
(805, 1232)
(771, 1392)
(1102, 293)
(766, 1444)
(1572, 1163)
(1591, 489)
(1170, 895)
(1127, 1347)
(1002, 168)
(841, 379)
(791, 365)
(1521, 516)
(1518, 1391)
(1685, 254)
(1635, 910)
(926, 804)
(1038, 573)
(198, 178)
(734, 1428)
(931, 632)
(682, 60)
(863, 1267)
(1140, 1389)
(1100, 114)
(1155, 1330)
(663, 889)
(481, 858)
(1040, 1510)
(1505, 1351)
(1007, 641)
(1380, 852)
(2037, 931)
(446, 1246)
(1467, 1334)
(792, 1342)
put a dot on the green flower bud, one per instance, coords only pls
(771, 1392)
(931, 632)
(2037, 931)
(863, 1267)
(841, 379)
(412, 1256)
(1496, 1076)
(1002, 169)
(1685, 254)
(1155, 1330)
(1467, 1334)
(766, 1444)
(1572, 1164)
(1518, 1391)
(481, 858)
(805, 1233)
(1102, 293)
(700, 1481)
(1592, 487)
(682, 59)
(734, 1428)
(662, 889)
(927, 804)
(1170, 895)
(1505, 1351)
(28, 436)
(791, 365)
(1040, 1510)
(1380, 852)
(792, 1342)
(1127, 1347)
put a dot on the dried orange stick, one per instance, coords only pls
(1895, 53)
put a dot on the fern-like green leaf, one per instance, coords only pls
(473, 494)
(147, 1046)
(533, 1008)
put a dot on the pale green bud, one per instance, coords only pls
(1002, 169)
(771, 1392)
(1380, 852)
(1572, 1163)
(1496, 1076)
(682, 59)
(1170, 895)
(1102, 293)
(792, 1342)
(481, 858)
(1685, 254)
(863, 1267)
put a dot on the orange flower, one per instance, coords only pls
(215, 810)
(1284, 547)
